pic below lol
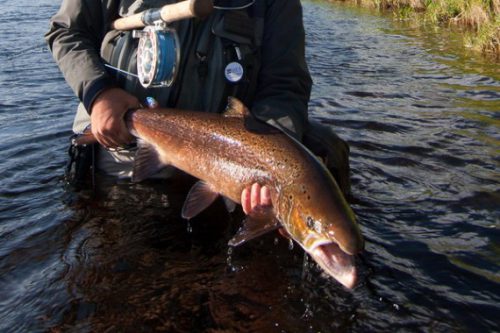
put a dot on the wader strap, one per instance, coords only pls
(202, 49)
(258, 13)
(240, 24)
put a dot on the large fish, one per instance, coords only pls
(227, 158)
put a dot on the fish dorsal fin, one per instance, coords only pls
(200, 196)
(259, 222)
(235, 108)
(147, 162)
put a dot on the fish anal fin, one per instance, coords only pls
(147, 162)
(257, 223)
(200, 196)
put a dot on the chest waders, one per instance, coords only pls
(219, 57)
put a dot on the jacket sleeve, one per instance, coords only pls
(74, 38)
(284, 83)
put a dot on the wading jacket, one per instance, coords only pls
(267, 39)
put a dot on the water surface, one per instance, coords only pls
(422, 120)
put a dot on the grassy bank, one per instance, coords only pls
(480, 19)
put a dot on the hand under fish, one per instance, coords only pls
(279, 182)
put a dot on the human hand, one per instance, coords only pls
(255, 196)
(107, 117)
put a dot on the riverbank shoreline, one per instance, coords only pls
(478, 19)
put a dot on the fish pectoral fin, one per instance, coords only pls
(255, 225)
(147, 162)
(230, 204)
(200, 196)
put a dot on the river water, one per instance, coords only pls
(423, 123)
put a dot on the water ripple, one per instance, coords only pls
(422, 123)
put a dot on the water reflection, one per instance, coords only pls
(167, 279)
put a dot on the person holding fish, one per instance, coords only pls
(123, 56)
(253, 50)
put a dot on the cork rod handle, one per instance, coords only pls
(167, 13)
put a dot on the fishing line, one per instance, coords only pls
(121, 70)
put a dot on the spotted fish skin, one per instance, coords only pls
(220, 151)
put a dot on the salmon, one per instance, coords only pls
(226, 157)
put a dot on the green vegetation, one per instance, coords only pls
(479, 18)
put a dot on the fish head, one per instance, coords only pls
(320, 220)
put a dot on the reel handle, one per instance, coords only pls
(167, 13)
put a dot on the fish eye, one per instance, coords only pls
(314, 225)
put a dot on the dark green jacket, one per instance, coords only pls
(277, 85)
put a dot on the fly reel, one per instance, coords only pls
(158, 55)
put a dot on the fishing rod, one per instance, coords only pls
(168, 13)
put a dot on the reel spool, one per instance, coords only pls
(158, 55)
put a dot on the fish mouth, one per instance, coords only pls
(335, 262)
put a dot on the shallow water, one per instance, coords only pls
(422, 120)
